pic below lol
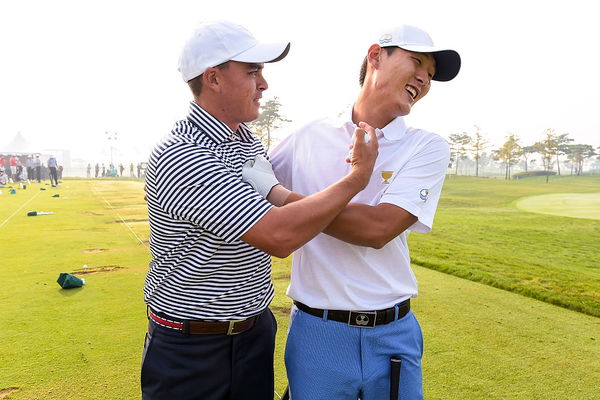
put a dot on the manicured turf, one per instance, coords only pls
(576, 205)
(481, 342)
(480, 234)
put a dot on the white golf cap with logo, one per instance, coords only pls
(411, 38)
(214, 43)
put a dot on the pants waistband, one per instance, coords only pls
(359, 319)
(194, 327)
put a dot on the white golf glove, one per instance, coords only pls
(259, 174)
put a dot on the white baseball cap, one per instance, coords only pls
(214, 43)
(407, 37)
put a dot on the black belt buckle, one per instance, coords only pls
(361, 319)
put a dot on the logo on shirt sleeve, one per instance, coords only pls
(424, 194)
(386, 175)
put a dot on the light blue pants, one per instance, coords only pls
(328, 360)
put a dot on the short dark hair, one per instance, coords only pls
(363, 67)
(195, 84)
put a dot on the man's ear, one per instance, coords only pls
(374, 55)
(211, 79)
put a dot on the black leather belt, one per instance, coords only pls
(360, 319)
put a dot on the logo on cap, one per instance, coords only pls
(387, 38)
(424, 194)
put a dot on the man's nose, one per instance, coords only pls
(262, 84)
(423, 78)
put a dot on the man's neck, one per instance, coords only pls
(367, 109)
(216, 111)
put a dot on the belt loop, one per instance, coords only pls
(325, 314)
(186, 328)
(396, 312)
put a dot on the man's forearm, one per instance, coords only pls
(284, 229)
(303, 220)
(365, 225)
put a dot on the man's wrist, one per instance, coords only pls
(278, 195)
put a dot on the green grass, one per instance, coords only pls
(479, 234)
(81, 343)
(480, 342)
(576, 205)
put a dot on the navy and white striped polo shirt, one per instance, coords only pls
(198, 208)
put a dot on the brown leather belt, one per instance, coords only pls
(205, 327)
(360, 319)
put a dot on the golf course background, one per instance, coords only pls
(486, 337)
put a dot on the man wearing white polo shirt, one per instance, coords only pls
(352, 333)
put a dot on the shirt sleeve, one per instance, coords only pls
(282, 160)
(417, 186)
(194, 185)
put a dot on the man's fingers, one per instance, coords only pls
(369, 130)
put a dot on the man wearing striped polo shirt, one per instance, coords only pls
(210, 332)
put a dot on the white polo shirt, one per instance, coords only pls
(328, 273)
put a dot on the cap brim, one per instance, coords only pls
(264, 53)
(447, 62)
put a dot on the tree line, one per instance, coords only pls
(551, 148)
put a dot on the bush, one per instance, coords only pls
(529, 174)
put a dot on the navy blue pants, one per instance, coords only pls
(176, 366)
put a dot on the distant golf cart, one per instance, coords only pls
(112, 172)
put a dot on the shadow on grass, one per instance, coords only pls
(70, 292)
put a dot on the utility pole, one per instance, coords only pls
(111, 137)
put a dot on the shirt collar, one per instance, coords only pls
(214, 129)
(395, 130)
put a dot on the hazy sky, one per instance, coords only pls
(72, 70)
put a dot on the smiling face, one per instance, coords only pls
(400, 79)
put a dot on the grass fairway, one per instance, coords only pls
(481, 235)
(80, 344)
(576, 205)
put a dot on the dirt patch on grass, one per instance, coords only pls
(94, 270)
(120, 221)
(279, 277)
(90, 213)
(280, 311)
(94, 251)
(5, 392)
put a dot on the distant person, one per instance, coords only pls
(51, 163)
(88, 171)
(131, 170)
(37, 165)
(97, 169)
(20, 175)
(139, 170)
(29, 167)
(121, 169)
(5, 173)
(60, 172)
(103, 170)
(13, 168)
(338, 280)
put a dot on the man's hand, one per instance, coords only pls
(363, 153)
(258, 173)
